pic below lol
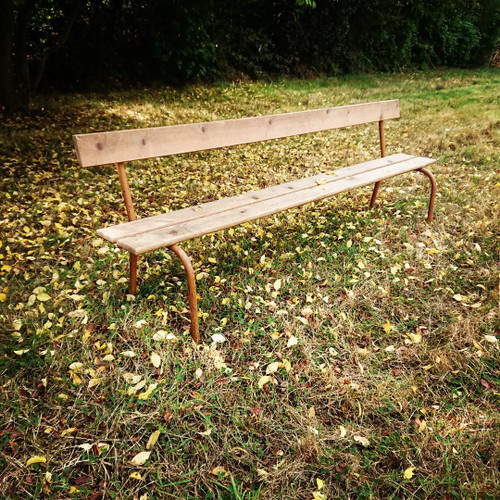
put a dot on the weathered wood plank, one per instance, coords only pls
(187, 230)
(129, 229)
(127, 145)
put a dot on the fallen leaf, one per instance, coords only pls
(43, 297)
(362, 440)
(36, 459)
(218, 338)
(491, 338)
(136, 475)
(408, 473)
(263, 381)
(160, 335)
(140, 458)
(205, 433)
(220, 470)
(277, 284)
(292, 341)
(343, 431)
(93, 382)
(153, 439)
(85, 446)
(320, 483)
(272, 367)
(155, 360)
(387, 326)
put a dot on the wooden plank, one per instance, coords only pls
(129, 229)
(187, 230)
(138, 144)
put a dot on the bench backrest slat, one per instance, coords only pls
(126, 145)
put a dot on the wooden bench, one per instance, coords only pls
(170, 229)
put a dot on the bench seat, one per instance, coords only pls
(160, 231)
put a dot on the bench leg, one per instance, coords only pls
(193, 301)
(433, 192)
(133, 274)
(374, 194)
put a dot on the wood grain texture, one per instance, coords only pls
(128, 229)
(138, 144)
(182, 231)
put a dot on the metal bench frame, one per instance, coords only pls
(128, 145)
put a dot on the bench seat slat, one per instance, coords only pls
(134, 228)
(164, 237)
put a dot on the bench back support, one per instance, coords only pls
(139, 144)
(103, 148)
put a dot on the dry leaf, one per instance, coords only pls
(136, 475)
(408, 473)
(152, 439)
(387, 326)
(140, 458)
(272, 367)
(36, 459)
(205, 433)
(277, 284)
(263, 381)
(155, 360)
(362, 440)
(292, 341)
(218, 338)
(220, 470)
(343, 432)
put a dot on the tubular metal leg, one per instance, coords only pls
(374, 194)
(193, 301)
(133, 274)
(433, 192)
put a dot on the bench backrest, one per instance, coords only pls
(103, 148)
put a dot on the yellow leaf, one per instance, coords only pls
(36, 459)
(3, 297)
(317, 495)
(108, 357)
(343, 432)
(43, 297)
(136, 475)
(68, 431)
(155, 360)
(415, 338)
(387, 326)
(292, 341)
(85, 446)
(320, 483)
(152, 439)
(272, 367)
(312, 412)
(277, 284)
(458, 297)
(220, 470)
(362, 440)
(408, 473)
(205, 433)
(140, 458)
(93, 382)
(320, 182)
(263, 381)
(145, 395)
(160, 335)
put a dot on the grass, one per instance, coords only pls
(395, 368)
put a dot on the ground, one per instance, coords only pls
(346, 352)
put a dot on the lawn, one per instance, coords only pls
(358, 350)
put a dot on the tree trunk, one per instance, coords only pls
(22, 73)
(7, 25)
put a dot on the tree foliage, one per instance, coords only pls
(75, 43)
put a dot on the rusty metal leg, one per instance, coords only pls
(374, 194)
(133, 274)
(193, 301)
(433, 192)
